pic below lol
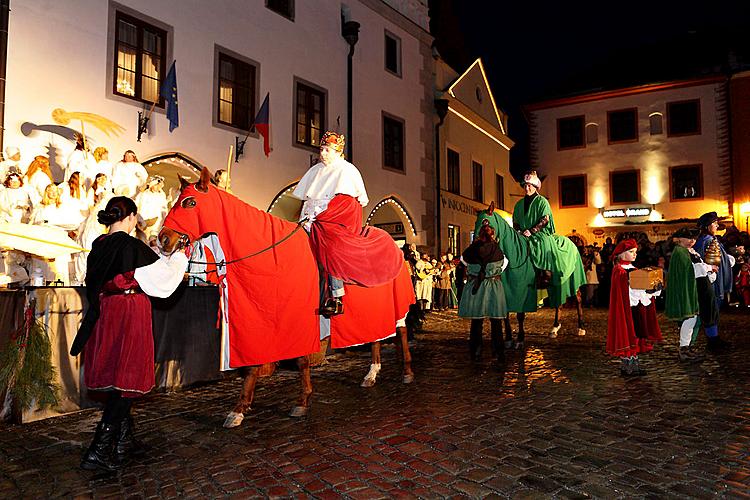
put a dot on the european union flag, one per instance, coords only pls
(169, 92)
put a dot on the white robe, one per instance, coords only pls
(36, 186)
(322, 182)
(128, 177)
(151, 205)
(15, 205)
(83, 163)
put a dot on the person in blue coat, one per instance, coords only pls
(708, 224)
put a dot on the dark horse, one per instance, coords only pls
(270, 292)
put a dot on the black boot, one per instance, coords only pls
(127, 445)
(332, 307)
(98, 454)
(475, 340)
(716, 344)
(496, 339)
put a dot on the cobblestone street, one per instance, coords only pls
(555, 421)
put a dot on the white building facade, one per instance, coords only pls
(474, 154)
(110, 58)
(648, 158)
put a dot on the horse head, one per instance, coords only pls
(185, 221)
(491, 217)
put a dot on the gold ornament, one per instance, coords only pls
(712, 256)
(62, 117)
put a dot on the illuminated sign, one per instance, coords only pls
(627, 212)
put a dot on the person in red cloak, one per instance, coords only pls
(334, 194)
(632, 327)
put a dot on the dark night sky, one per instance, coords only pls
(536, 50)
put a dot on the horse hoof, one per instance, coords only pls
(553, 332)
(367, 382)
(581, 332)
(408, 379)
(234, 419)
(299, 411)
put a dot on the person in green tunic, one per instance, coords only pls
(483, 296)
(548, 252)
(682, 291)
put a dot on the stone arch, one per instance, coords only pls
(391, 215)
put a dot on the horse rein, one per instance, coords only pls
(223, 263)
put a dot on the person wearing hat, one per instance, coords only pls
(689, 291)
(632, 327)
(334, 193)
(708, 224)
(532, 217)
(10, 162)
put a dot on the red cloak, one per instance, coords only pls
(630, 330)
(365, 256)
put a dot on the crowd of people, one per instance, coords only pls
(31, 194)
(437, 283)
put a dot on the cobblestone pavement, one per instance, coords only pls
(555, 421)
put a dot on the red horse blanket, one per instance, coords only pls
(359, 255)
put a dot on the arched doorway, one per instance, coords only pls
(172, 166)
(285, 206)
(391, 216)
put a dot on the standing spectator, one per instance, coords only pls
(591, 260)
(742, 283)
(410, 257)
(128, 176)
(443, 283)
(38, 177)
(425, 273)
(15, 203)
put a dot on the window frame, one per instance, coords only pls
(324, 113)
(609, 126)
(700, 180)
(218, 52)
(500, 193)
(289, 17)
(397, 39)
(638, 184)
(448, 175)
(387, 116)
(585, 190)
(117, 13)
(699, 118)
(583, 132)
(455, 240)
(475, 184)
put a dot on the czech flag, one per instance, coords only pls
(263, 125)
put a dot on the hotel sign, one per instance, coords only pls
(627, 212)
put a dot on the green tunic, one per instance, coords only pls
(551, 251)
(489, 301)
(682, 290)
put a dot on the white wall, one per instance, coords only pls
(57, 57)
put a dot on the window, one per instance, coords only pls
(686, 183)
(236, 92)
(282, 7)
(655, 123)
(454, 239)
(572, 191)
(499, 192)
(622, 125)
(570, 132)
(684, 118)
(454, 172)
(310, 115)
(393, 143)
(592, 133)
(392, 53)
(477, 181)
(625, 186)
(140, 65)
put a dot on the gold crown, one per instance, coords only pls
(334, 140)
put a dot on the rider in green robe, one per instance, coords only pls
(532, 217)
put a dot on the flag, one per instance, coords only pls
(169, 92)
(263, 125)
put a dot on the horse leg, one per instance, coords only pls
(403, 352)
(579, 309)
(556, 325)
(372, 375)
(303, 405)
(235, 417)
(521, 341)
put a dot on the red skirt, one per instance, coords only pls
(120, 353)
